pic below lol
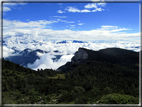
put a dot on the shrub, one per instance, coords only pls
(65, 97)
(107, 90)
(79, 89)
(81, 99)
(118, 99)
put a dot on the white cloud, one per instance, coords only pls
(60, 16)
(96, 7)
(94, 10)
(72, 25)
(40, 54)
(72, 9)
(80, 23)
(108, 26)
(101, 4)
(59, 11)
(113, 28)
(17, 28)
(66, 50)
(47, 62)
(91, 5)
(13, 34)
(8, 6)
(6, 9)
(70, 22)
(85, 10)
(6, 51)
(31, 24)
(65, 21)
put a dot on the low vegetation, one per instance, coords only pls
(58, 76)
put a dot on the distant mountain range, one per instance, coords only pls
(74, 41)
(26, 56)
(96, 41)
(29, 56)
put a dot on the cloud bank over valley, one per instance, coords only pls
(12, 46)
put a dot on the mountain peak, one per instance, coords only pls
(74, 41)
(79, 56)
(118, 56)
(64, 41)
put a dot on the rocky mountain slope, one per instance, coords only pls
(122, 57)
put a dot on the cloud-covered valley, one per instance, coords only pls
(12, 46)
(46, 62)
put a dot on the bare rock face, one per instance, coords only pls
(79, 56)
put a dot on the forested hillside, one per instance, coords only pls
(122, 57)
(88, 83)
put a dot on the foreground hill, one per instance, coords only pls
(88, 82)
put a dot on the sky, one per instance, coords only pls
(81, 21)
(48, 23)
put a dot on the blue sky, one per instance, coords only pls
(101, 20)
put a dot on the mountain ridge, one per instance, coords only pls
(118, 56)
(26, 56)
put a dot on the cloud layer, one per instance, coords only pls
(39, 30)
(18, 35)
(66, 50)
(90, 7)
(8, 6)
(47, 62)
